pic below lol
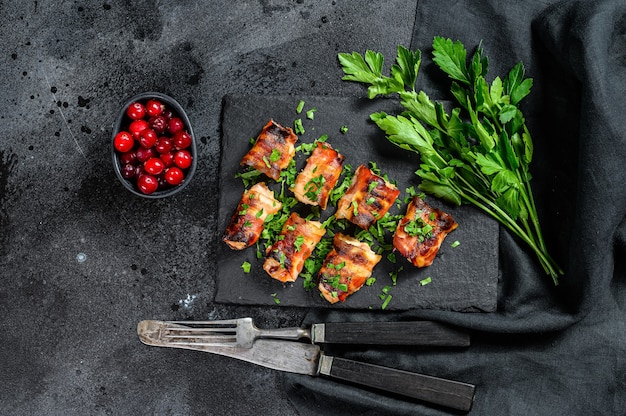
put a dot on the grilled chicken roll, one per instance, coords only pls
(346, 268)
(421, 232)
(285, 258)
(248, 220)
(368, 198)
(273, 150)
(319, 176)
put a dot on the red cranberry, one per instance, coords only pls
(128, 171)
(136, 111)
(182, 159)
(174, 176)
(168, 114)
(147, 184)
(147, 137)
(123, 142)
(168, 159)
(137, 126)
(163, 145)
(175, 124)
(162, 182)
(154, 108)
(139, 170)
(145, 153)
(154, 166)
(158, 124)
(128, 158)
(182, 139)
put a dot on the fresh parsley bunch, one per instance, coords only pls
(477, 153)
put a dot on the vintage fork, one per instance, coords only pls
(242, 333)
(239, 332)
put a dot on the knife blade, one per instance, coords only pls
(308, 359)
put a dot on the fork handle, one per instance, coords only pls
(290, 334)
(434, 390)
(422, 333)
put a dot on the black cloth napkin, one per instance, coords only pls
(546, 350)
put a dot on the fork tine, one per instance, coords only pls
(208, 343)
(215, 322)
(208, 337)
(209, 333)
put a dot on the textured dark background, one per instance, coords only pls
(82, 260)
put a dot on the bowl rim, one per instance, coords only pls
(117, 128)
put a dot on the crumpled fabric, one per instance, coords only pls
(546, 350)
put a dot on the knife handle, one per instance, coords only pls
(434, 390)
(423, 333)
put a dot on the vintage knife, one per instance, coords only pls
(305, 358)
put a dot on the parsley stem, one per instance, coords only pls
(485, 204)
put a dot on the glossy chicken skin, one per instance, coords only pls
(421, 232)
(273, 150)
(346, 268)
(368, 198)
(247, 221)
(319, 176)
(285, 258)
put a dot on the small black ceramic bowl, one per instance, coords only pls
(156, 163)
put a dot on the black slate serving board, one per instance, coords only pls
(463, 278)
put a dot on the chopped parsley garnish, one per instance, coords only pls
(385, 296)
(249, 177)
(394, 275)
(297, 244)
(384, 292)
(275, 297)
(418, 228)
(298, 128)
(275, 155)
(355, 208)
(313, 187)
(300, 107)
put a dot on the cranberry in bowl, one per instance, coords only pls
(153, 146)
